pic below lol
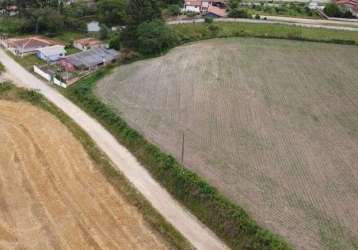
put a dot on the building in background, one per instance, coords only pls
(88, 43)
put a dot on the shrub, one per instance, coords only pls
(209, 20)
(332, 10)
(257, 16)
(115, 41)
(154, 37)
(174, 9)
(214, 29)
(239, 13)
(5, 86)
(191, 14)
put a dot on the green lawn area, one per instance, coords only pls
(72, 50)
(189, 32)
(27, 61)
(68, 37)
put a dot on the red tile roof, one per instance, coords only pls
(217, 11)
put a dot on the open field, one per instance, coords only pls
(271, 123)
(53, 196)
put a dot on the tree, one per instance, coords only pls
(239, 13)
(331, 10)
(174, 9)
(111, 12)
(45, 20)
(138, 12)
(154, 37)
(114, 41)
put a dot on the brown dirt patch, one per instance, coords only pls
(51, 194)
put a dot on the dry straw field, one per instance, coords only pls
(273, 124)
(52, 196)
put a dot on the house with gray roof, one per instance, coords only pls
(89, 59)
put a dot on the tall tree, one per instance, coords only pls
(138, 12)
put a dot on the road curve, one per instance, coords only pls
(188, 225)
(300, 22)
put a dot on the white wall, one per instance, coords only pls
(192, 9)
(37, 70)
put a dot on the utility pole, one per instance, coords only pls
(182, 148)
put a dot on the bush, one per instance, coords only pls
(154, 37)
(191, 14)
(5, 86)
(214, 29)
(331, 10)
(115, 41)
(257, 16)
(209, 20)
(2, 68)
(239, 13)
(174, 9)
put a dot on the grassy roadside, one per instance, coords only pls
(226, 219)
(200, 31)
(12, 93)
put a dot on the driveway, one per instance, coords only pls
(187, 224)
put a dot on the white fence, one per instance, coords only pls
(42, 73)
(59, 83)
(48, 77)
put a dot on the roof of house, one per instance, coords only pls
(30, 43)
(89, 41)
(193, 2)
(217, 11)
(53, 50)
(92, 57)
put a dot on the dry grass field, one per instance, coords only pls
(52, 196)
(273, 124)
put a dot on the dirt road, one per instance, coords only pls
(51, 194)
(197, 233)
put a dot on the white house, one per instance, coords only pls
(193, 6)
(51, 53)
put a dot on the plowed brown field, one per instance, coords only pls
(273, 124)
(52, 196)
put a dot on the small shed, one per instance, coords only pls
(93, 27)
(51, 53)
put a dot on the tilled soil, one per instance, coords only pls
(273, 124)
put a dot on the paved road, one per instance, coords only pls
(301, 22)
(198, 234)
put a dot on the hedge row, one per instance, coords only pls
(228, 220)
